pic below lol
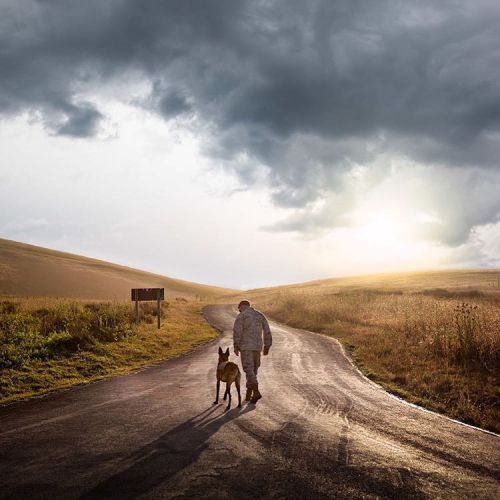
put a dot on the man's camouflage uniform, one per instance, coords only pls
(247, 337)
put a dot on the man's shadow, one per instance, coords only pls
(166, 456)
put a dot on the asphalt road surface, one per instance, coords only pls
(321, 430)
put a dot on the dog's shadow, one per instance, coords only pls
(166, 456)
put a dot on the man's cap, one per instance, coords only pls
(244, 303)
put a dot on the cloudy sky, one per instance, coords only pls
(253, 143)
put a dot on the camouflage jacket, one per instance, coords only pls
(248, 329)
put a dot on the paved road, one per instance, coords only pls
(321, 431)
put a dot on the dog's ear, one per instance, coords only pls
(227, 351)
(220, 350)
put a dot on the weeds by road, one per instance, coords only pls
(48, 344)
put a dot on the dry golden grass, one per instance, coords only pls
(46, 344)
(433, 338)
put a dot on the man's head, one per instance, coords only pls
(243, 305)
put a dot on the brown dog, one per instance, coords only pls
(227, 372)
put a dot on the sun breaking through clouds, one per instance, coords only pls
(370, 120)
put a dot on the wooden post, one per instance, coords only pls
(141, 294)
(137, 306)
(158, 307)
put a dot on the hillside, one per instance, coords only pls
(458, 282)
(28, 270)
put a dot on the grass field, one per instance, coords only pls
(432, 338)
(48, 344)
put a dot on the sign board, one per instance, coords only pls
(148, 294)
(143, 294)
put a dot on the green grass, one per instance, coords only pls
(48, 344)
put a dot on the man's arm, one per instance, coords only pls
(268, 338)
(237, 331)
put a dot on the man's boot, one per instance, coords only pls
(256, 394)
(248, 396)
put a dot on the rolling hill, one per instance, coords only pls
(28, 270)
(456, 281)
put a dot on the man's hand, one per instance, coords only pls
(236, 351)
(266, 350)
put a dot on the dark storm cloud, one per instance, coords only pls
(173, 105)
(80, 121)
(307, 89)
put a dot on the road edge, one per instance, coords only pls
(81, 385)
(380, 387)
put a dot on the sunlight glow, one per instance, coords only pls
(386, 235)
(383, 229)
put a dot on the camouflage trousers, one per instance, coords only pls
(250, 360)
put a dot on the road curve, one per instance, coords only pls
(322, 430)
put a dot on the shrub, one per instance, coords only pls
(59, 329)
(466, 326)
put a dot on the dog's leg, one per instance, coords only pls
(237, 383)
(228, 392)
(225, 393)
(217, 393)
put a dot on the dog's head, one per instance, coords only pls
(223, 356)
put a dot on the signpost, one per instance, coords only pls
(143, 294)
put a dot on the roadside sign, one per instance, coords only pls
(145, 294)
(142, 294)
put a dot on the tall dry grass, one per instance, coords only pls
(464, 333)
(437, 347)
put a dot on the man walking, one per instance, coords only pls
(247, 339)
